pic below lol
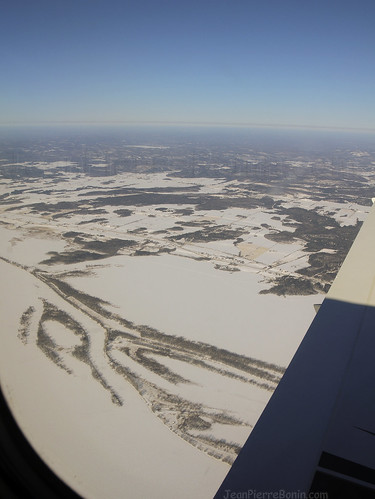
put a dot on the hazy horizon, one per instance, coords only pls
(221, 124)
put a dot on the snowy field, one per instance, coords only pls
(137, 348)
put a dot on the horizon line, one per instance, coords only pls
(186, 123)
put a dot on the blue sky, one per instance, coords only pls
(273, 62)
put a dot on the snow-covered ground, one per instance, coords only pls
(141, 374)
(192, 299)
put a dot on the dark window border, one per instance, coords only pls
(22, 472)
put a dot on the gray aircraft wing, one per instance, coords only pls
(317, 432)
